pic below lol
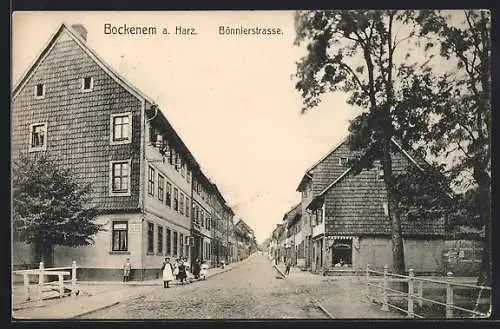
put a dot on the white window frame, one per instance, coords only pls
(112, 141)
(43, 91)
(30, 137)
(82, 86)
(111, 193)
(346, 159)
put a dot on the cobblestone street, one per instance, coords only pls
(252, 290)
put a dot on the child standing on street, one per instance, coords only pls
(167, 272)
(126, 270)
(182, 272)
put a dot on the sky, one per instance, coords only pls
(230, 98)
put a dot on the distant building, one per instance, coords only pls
(294, 243)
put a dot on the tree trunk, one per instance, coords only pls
(485, 212)
(43, 253)
(398, 258)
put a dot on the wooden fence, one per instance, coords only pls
(379, 289)
(35, 291)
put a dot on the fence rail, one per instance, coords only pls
(381, 281)
(41, 272)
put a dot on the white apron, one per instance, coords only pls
(167, 273)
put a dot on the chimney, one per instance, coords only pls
(81, 30)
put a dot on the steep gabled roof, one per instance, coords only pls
(417, 162)
(308, 174)
(293, 215)
(92, 54)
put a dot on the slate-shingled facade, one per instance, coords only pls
(110, 134)
(348, 219)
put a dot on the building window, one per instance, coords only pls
(181, 204)
(176, 199)
(343, 161)
(181, 242)
(175, 244)
(177, 162)
(161, 187)
(183, 169)
(120, 177)
(121, 128)
(380, 172)
(151, 236)
(38, 137)
(120, 236)
(202, 218)
(169, 242)
(39, 91)
(168, 199)
(160, 240)
(188, 176)
(187, 207)
(87, 84)
(209, 220)
(151, 181)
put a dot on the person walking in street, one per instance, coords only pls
(182, 271)
(288, 265)
(167, 272)
(197, 268)
(126, 270)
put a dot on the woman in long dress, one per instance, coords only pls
(167, 272)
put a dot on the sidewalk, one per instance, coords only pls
(342, 296)
(94, 295)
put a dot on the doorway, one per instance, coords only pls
(342, 252)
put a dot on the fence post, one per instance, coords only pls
(40, 282)
(73, 279)
(449, 296)
(411, 278)
(385, 298)
(26, 281)
(61, 285)
(420, 293)
(368, 282)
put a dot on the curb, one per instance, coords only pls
(118, 302)
(95, 310)
(279, 271)
(108, 305)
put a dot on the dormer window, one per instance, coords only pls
(40, 91)
(87, 84)
(343, 161)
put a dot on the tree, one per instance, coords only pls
(462, 124)
(355, 51)
(50, 207)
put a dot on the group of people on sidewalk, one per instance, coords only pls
(181, 270)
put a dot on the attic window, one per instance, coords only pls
(40, 90)
(343, 161)
(87, 84)
(380, 172)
